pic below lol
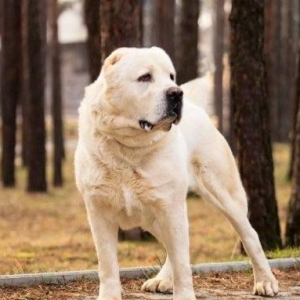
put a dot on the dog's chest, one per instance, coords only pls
(126, 189)
(131, 203)
(129, 194)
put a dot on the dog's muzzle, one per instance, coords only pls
(172, 113)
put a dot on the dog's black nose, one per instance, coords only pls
(174, 94)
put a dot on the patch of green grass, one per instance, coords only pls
(284, 253)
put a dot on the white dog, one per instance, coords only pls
(135, 161)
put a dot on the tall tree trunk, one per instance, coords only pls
(294, 80)
(285, 104)
(37, 11)
(92, 20)
(187, 41)
(273, 55)
(218, 48)
(292, 234)
(163, 25)
(57, 122)
(118, 30)
(293, 139)
(25, 84)
(11, 61)
(251, 118)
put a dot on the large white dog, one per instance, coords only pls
(141, 146)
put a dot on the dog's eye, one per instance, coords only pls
(145, 78)
(172, 77)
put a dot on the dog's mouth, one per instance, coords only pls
(165, 122)
(172, 115)
(146, 125)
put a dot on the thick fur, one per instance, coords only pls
(131, 176)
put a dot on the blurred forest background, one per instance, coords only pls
(240, 61)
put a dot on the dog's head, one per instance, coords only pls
(140, 85)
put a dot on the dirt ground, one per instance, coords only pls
(207, 286)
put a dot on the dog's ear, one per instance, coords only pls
(114, 57)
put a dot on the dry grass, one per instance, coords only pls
(49, 232)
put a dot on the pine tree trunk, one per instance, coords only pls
(57, 122)
(285, 102)
(25, 84)
(117, 29)
(294, 75)
(163, 26)
(251, 118)
(37, 11)
(293, 138)
(92, 20)
(292, 235)
(187, 41)
(11, 61)
(272, 51)
(218, 60)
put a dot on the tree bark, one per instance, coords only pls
(251, 118)
(286, 77)
(117, 29)
(293, 138)
(57, 121)
(292, 235)
(272, 51)
(37, 11)
(92, 20)
(163, 25)
(293, 73)
(218, 60)
(25, 84)
(11, 61)
(187, 41)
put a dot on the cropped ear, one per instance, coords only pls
(114, 57)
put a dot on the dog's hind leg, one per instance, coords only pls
(222, 187)
(105, 235)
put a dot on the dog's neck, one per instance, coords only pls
(127, 143)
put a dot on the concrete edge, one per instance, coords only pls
(65, 277)
(236, 266)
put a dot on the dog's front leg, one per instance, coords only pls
(105, 235)
(171, 228)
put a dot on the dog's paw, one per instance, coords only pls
(268, 288)
(158, 285)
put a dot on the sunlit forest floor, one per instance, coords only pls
(49, 232)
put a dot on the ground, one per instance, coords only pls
(211, 286)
